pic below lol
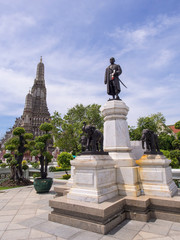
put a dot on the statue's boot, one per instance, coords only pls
(117, 97)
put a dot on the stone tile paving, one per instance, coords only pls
(24, 215)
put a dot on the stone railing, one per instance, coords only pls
(176, 174)
(4, 173)
(50, 174)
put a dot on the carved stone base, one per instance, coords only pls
(156, 176)
(94, 179)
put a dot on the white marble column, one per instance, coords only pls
(117, 143)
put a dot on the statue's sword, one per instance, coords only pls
(122, 83)
(112, 78)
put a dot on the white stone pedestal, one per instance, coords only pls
(94, 179)
(117, 143)
(70, 181)
(156, 176)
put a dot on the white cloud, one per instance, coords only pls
(162, 58)
(147, 35)
(74, 70)
(12, 91)
(14, 23)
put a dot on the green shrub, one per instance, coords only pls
(35, 165)
(178, 135)
(40, 145)
(52, 169)
(7, 155)
(11, 147)
(3, 165)
(64, 159)
(13, 162)
(36, 175)
(176, 144)
(166, 153)
(48, 156)
(0, 161)
(46, 127)
(18, 131)
(35, 152)
(15, 140)
(28, 136)
(66, 177)
(174, 155)
(59, 169)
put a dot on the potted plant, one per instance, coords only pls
(43, 184)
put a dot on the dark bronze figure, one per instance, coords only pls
(83, 142)
(151, 140)
(112, 79)
(93, 141)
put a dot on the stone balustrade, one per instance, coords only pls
(5, 173)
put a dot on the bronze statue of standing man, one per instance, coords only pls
(112, 79)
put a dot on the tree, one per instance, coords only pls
(17, 145)
(165, 141)
(154, 122)
(174, 150)
(177, 125)
(90, 114)
(41, 148)
(175, 154)
(134, 133)
(178, 135)
(176, 144)
(67, 130)
(175, 157)
(146, 123)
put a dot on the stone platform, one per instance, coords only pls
(103, 217)
(24, 215)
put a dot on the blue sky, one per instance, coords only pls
(76, 38)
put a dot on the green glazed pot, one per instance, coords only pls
(42, 185)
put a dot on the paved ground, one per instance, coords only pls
(24, 214)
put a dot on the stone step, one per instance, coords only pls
(61, 190)
(103, 217)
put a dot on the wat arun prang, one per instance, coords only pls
(35, 110)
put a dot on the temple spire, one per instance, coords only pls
(40, 72)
